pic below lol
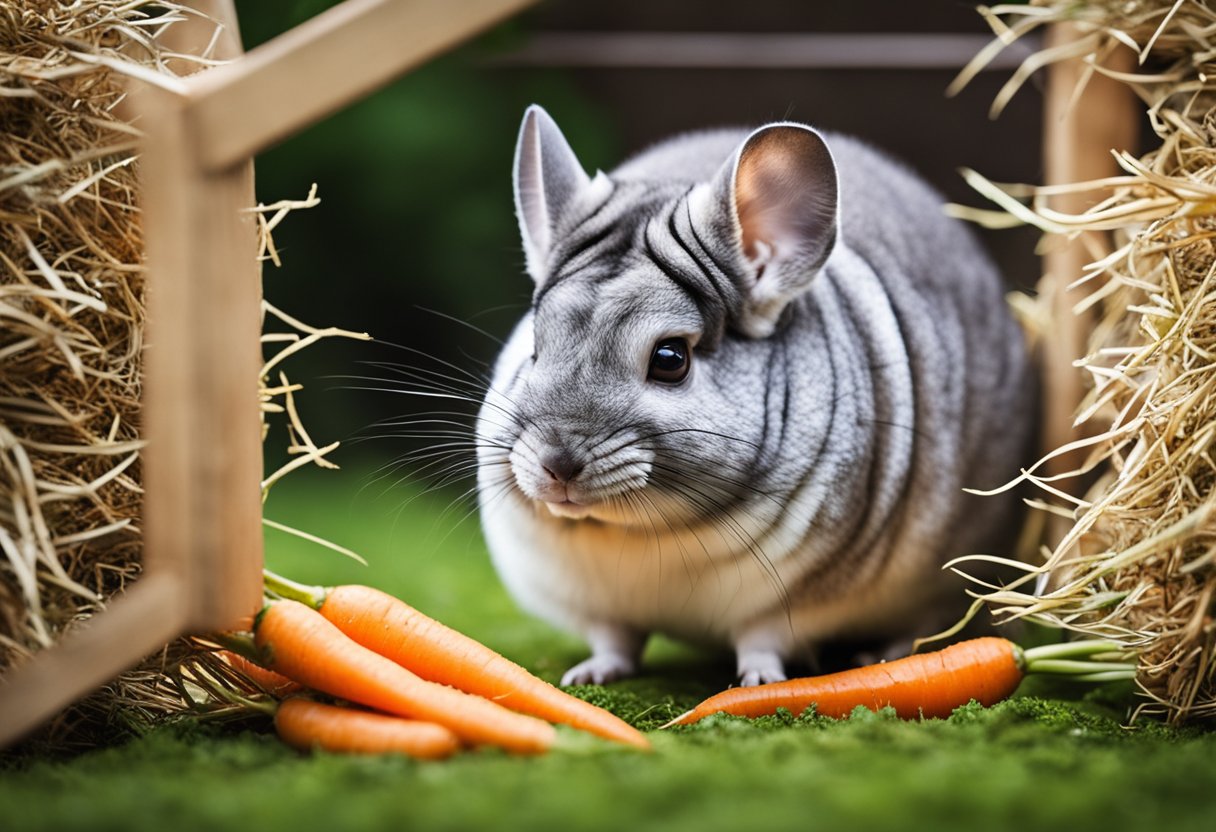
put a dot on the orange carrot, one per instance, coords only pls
(421, 644)
(276, 684)
(297, 641)
(933, 684)
(306, 725)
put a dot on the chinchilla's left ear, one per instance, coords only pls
(548, 177)
(778, 198)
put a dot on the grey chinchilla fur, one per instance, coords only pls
(758, 372)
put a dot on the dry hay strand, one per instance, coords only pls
(72, 308)
(1139, 563)
(71, 338)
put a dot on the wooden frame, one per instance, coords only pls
(203, 462)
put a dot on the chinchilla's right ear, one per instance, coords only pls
(775, 204)
(547, 177)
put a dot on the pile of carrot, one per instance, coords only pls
(402, 681)
(924, 685)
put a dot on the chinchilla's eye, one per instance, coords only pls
(670, 361)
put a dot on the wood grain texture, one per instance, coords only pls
(203, 462)
(337, 57)
(1078, 136)
(138, 623)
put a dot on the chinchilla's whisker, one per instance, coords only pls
(657, 434)
(889, 424)
(703, 468)
(689, 572)
(424, 354)
(422, 421)
(412, 473)
(467, 324)
(451, 437)
(390, 421)
(425, 387)
(697, 468)
(404, 391)
(696, 535)
(455, 444)
(424, 377)
(426, 460)
(641, 510)
(521, 442)
(701, 465)
(431, 489)
(481, 383)
(465, 498)
(489, 494)
(421, 433)
(454, 474)
(596, 447)
(643, 441)
(465, 379)
(721, 512)
(611, 469)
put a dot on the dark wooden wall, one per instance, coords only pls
(854, 85)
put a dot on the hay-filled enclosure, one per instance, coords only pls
(158, 416)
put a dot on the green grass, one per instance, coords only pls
(1056, 760)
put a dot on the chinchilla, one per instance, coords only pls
(758, 372)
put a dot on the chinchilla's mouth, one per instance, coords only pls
(568, 509)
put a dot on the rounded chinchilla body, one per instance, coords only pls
(758, 372)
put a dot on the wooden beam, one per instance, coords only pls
(203, 463)
(1078, 136)
(138, 623)
(215, 31)
(942, 51)
(337, 57)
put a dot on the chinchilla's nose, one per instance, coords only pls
(561, 465)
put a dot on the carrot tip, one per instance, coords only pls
(677, 721)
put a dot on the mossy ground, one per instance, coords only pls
(1055, 759)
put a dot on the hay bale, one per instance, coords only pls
(1139, 563)
(71, 338)
(72, 306)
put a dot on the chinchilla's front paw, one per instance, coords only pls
(760, 668)
(600, 669)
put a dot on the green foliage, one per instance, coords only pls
(1001, 768)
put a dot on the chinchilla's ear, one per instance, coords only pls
(548, 177)
(778, 197)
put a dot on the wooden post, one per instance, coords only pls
(1078, 136)
(203, 462)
